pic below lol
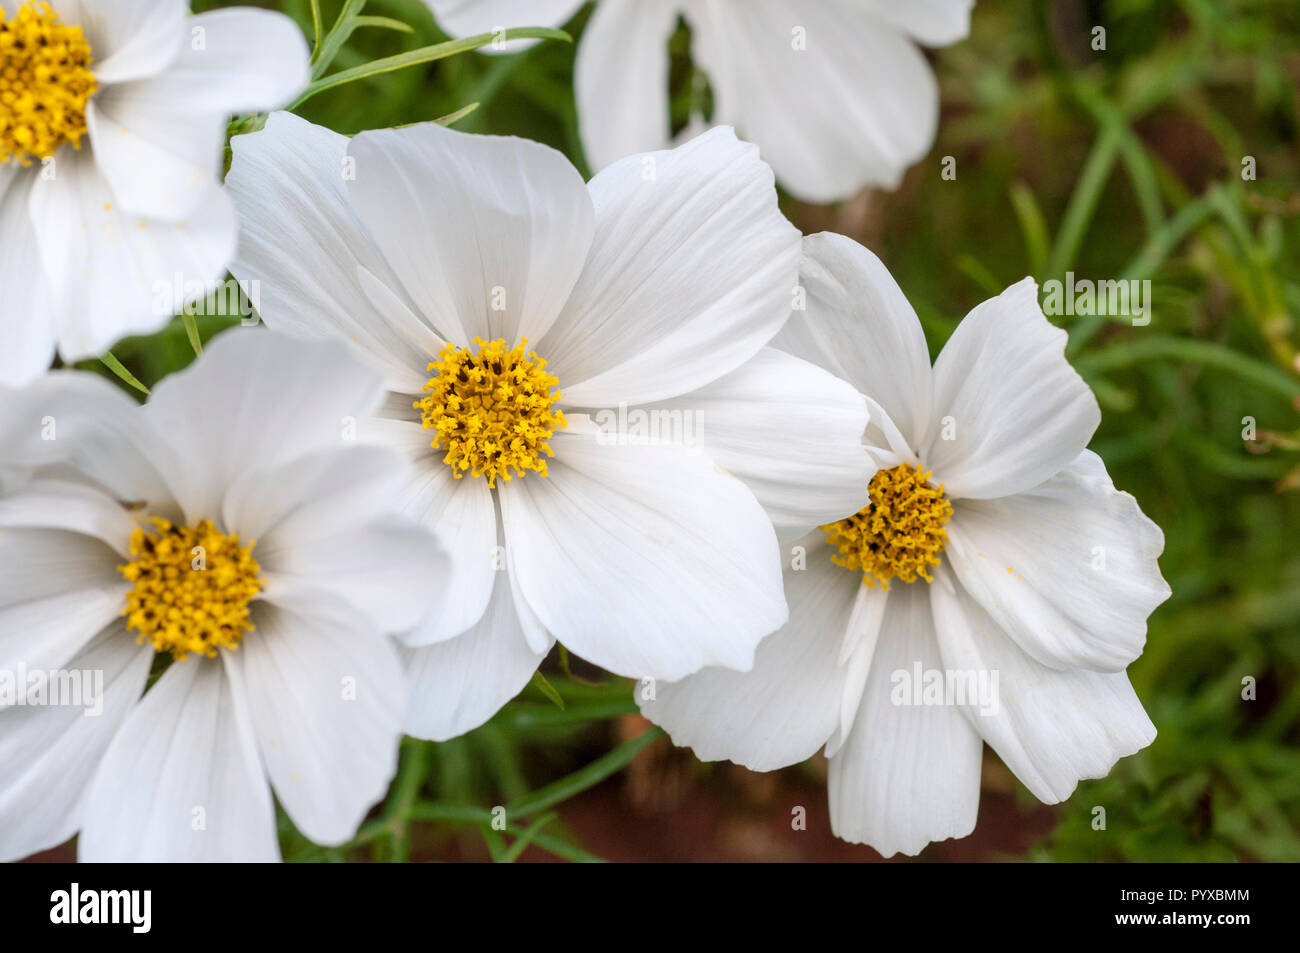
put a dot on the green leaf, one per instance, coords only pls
(426, 54)
(1083, 202)
(1032, 225)
(523, 716)
(325, 51)
(383, 23)
(116, 366)
(192, 332)
(523, 840)
(564, 849)
(458, 115)
(582, 779)
(547, 689)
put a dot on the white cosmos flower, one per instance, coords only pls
(1043, 573)
(110, 162)
(835, 92)
(654, 288)
(272, 588)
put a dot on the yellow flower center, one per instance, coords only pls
(191, 589)
(899, 534)
(45, 80)
(492, 410)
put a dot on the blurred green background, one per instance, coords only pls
(1122, 163)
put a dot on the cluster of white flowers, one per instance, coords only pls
(380, 515)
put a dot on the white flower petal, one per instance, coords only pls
(391, 569)
(458, 684)
(325, 699)
(1068, 568)
(51, 753)
(691, 272)
(59, 586)
(462, 515)
(129, 39)
(1020, 413)
(27, 332)
(158, 140)
(238, 60)
(105, 266)
(53, 503)
(323, 523)
(287, 180)
(312, 497)
(1051, 728)
(932, 22)
(858, 325)
(187, 747)
(79, 418)
(856, 654)
(255, 399)
(790, 430)
(907, 774)
(645, 560)
(486, 233)
(620, 80)
(159, 157)
(784, 708)
(851, 105)
(461, 18)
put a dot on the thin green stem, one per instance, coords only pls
(405, 792)
(582, 779)
(521, 842)
(116, 366)
(328, 48)
(426, 54)
(316, 29)
(1083, 203)
(192, 332)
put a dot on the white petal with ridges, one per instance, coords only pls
(27, 331)
(486, 233)
(620, 79)
(859, 326)
(112, 273)
(645, 560)
(185, 754)
(784, 708)
(835, 101)
(1052, 728)
(1019, 412)
(790, 430)
(287, 180)
(256, 399)
(692, 271)
(907, 774)
(325, 697)
(1068, 568)
(52, 752)
(459, 683)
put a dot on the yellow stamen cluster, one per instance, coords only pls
(45, 80)
(492, 409)
(899, 534)
(191, 588)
